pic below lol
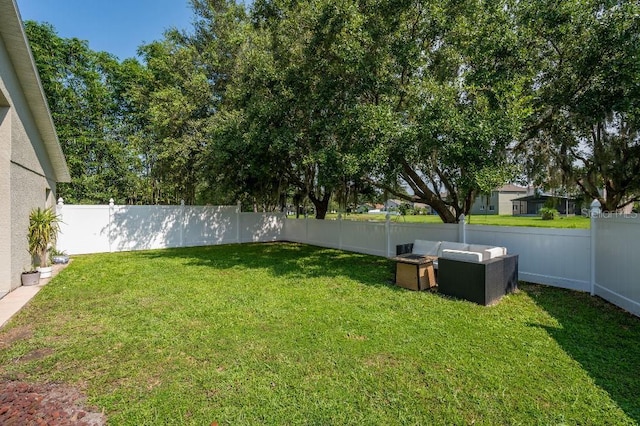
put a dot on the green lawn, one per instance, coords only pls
(271, 334)
(495, 220)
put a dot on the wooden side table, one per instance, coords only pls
(415, 272)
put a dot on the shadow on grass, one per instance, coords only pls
(604, 339)
(282, 259)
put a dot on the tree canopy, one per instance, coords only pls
(586, 96)
(81, 90)
(289, 100)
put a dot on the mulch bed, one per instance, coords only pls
(25, 404)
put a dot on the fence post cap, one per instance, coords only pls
(111, 202)
(462, 218)
(595, 208)
(60, 201)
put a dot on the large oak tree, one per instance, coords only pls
(586, 119)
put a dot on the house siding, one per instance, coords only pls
(501, 202)
(481, 204)
(26, 173)
(506, 204)
(32, 193)
(5, 195)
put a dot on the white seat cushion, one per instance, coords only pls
(488, 252)
(496, 252)
(479, 247)
(447, 245)
(426, 248)
(465, 256)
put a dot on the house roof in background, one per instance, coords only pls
(511, 188)
(541, 197)
(395, 201)
(15, 40)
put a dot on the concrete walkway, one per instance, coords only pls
(14, 301)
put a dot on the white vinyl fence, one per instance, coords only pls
(617, 261)
(557, 257)
(602, 260)
(103, 229)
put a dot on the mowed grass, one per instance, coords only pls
(579, 222)
(292, 334)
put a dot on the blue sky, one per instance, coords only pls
(114, 26)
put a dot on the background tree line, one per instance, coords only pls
(291, 101)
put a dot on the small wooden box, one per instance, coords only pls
(415, 273)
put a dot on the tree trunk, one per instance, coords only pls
(297, 199)
(425, 195)
(321, 205)
(442, 209)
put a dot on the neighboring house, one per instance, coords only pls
(499, 201)
(376, 208)
(531, 204)
(393, 204)
(364, 208)
(31, 160)
(424, 207)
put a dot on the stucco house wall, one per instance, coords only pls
(482, 203)
(5, 193)
(31, 161)
(499, 201)
(505, 203)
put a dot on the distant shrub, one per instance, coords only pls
(548, 213)
(404, 209)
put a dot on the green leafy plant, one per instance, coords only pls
(29, 269)
(44, 225)
(55, 252)
(548, 213)
(404, 209)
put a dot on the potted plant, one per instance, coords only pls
(30, 276)
(43, 232)
(58, 257)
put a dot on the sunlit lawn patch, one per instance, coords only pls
(293, 334)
